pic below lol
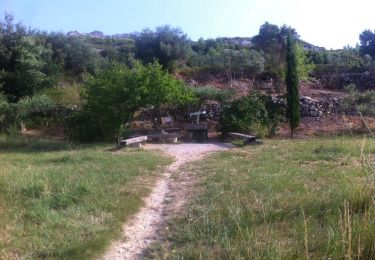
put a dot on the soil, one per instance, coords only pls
(168, 197)
(53, 133)
(332, 124)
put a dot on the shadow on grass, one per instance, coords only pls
(32, 145)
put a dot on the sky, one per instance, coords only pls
(331, 24)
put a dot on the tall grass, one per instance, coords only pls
(59, 201)
(302, 199)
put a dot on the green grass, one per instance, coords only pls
(281, 200)
(68, 202)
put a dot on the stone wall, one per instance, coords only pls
(363, 80)
(315, 107)
(309, 108)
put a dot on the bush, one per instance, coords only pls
(37, 111)
(81, 125)
(8, 115)
(255, 113)
(67, 95)
(35, 105)
(363, 102)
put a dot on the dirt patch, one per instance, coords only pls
(53, 133)
(167, 198)
(331, 124)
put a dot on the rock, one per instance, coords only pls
(314, 107)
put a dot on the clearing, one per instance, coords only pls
(167, 198)
(299, 199)
(68, 202)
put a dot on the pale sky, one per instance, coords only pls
(326, 23)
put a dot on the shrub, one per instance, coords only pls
(363, 102)
(38, 110)
(67, 95)
(255, 113)
(81, 125)
(35, 105)
(7, 114)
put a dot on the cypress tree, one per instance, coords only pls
(292, 80)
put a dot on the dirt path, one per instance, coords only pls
(169, 194)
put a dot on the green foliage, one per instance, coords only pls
(73, 54)
(332, 64)
(112, 96)
(165, 44)
(22, 60)
(292, 81)
(211, 93)
(35, 105)
(35, 111)
(305, 67)
(39, 110)
(202, 46)
(66, 95)
(363, 102)
(81, 126)
(8, 114)
(255, 113)
(271, 40)
(367, 46)
(113, 49)
(235, 63)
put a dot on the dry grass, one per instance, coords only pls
(59, 201)
(285, 199)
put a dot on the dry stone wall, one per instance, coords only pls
(315, 107)
(310, 107)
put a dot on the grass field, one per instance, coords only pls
(59, 201)
(302, 199)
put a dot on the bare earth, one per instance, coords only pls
(166, 199)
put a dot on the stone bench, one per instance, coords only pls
(246, 138)
(163, 137)
(134, 142)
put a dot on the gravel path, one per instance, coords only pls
(166, 199)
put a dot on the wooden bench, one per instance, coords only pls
(134, 142)
(246, 138)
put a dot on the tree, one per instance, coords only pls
(235, 63)
(271, 40)
(292, 81)
(166, 44)
(367, 46)
(73, 54)
(304, 65)
(114, 95)
(330, 65)
(21, 60)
